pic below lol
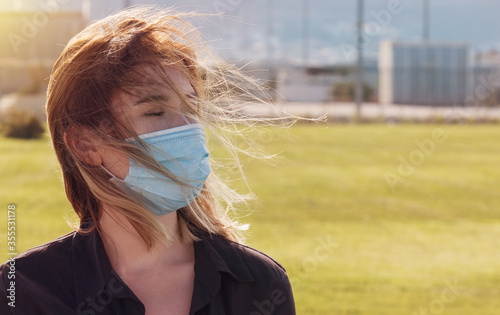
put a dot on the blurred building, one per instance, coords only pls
(423, 73)
(303, 85)
(30, 43)
(316, 84)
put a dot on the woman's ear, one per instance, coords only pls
(83, 144)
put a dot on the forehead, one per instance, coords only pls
(146, 80)
(146, 77)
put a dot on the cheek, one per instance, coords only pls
(116, 162)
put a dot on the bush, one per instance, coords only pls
(22, 124)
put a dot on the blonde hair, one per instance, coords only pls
(96, 64)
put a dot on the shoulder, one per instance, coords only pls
(49, 254)
(257, 260)
(40, 273)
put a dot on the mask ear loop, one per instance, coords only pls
(107, 171)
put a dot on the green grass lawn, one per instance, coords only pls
(351, 242)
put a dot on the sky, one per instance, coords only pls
(263, 29)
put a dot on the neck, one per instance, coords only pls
(129, 254)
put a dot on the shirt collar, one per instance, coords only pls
(92, 270)
(88, 267)
(224, 256)
(213, 257)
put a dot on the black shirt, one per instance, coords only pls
(73, 275)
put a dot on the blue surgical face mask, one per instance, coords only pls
(182, 150)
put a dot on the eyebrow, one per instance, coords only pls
(149, 98)
(162, 98)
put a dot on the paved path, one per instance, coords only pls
(375, 110)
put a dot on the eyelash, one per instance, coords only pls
(157, 114)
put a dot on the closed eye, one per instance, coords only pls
(155, 114)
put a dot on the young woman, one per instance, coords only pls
(129, 101)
